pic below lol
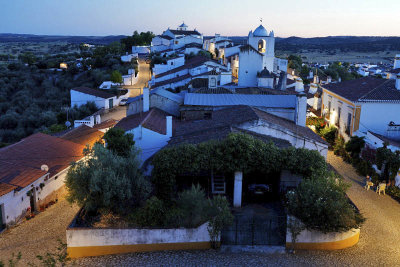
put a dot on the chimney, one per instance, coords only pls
(301, 109)
(98, 119)
(397, 62)
(316, 78)
(145, 99)
(313, 88)
(398, 81)
(299, 86)
(282, 81)
(169, 125)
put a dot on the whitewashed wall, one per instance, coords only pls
(250, 62)
(15, 204)
(266, 128)
(148, 141)
(376, 117)
(79, 99)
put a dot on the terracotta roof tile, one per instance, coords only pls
(83, 135)
(20, 163)
(94, 92)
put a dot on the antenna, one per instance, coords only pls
(44, 167)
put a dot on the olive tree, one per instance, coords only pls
(106, 181)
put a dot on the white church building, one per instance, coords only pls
(258, 55)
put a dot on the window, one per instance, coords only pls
(348, 124)
(328, 113)
(172, 63)
(338, 116)
(213, 82)
(261, 46)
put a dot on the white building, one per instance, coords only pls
(257, 55)
(82, 95)
(362, 105)
(392, 74)
(151, 128)
(32, 174)
(250, 120)
(175, 39)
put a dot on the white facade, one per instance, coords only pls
(250, 63)
(140, 50)
(266, 128)
(15, 204)
(79, 99)
(148, 141)
(171, 64)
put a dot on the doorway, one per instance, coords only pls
(2, 221)
(110, 103)
(32, 198)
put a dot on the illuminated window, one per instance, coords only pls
(261, 46)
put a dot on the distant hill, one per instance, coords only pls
(31, 38)
(294, 44)
(343, 43)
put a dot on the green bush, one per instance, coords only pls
(119, 142)
(236, 152)
(329, 134)
(151, 214)
(394, 192)
(354, 146)
(106, 181)
(321, 204)
(193, 205)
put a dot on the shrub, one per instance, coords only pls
(219, 216)
(106, 181)
(318, 122)
(394, 192)
(338, 148)
(119, 142)
(193, 205)
(321, 204)
(151, 214)
(329, 134)
(354, 146)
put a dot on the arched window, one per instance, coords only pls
(261, 46)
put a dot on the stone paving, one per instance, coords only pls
(378, 246)
(38, 235)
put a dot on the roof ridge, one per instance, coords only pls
(361, 97)
(147, 117)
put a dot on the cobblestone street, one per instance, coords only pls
(378, 246)
(38, 235)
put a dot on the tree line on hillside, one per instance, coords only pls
(34, 98)
(335, 70)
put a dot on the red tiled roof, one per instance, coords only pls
(153, 120)
(83, 135)
(105, 124)
(94, 92)
(20, 163)
(353, 90)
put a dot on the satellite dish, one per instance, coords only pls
(44, 168)
(68, 124)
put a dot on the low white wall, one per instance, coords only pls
(84, 237)
(84, 242)
(312, 239)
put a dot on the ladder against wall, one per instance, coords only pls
(218, 185)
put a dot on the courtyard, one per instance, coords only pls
(378, 245)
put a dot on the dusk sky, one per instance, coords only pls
(305, 18)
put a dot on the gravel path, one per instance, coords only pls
(38, 235)
(378, 246)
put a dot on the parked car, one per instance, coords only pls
(123, 102)
(259, 189)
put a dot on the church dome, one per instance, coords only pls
(183, 25)
(265, 74)
(260, 32)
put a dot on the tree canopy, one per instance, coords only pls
(119, 142)
(106, 181)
